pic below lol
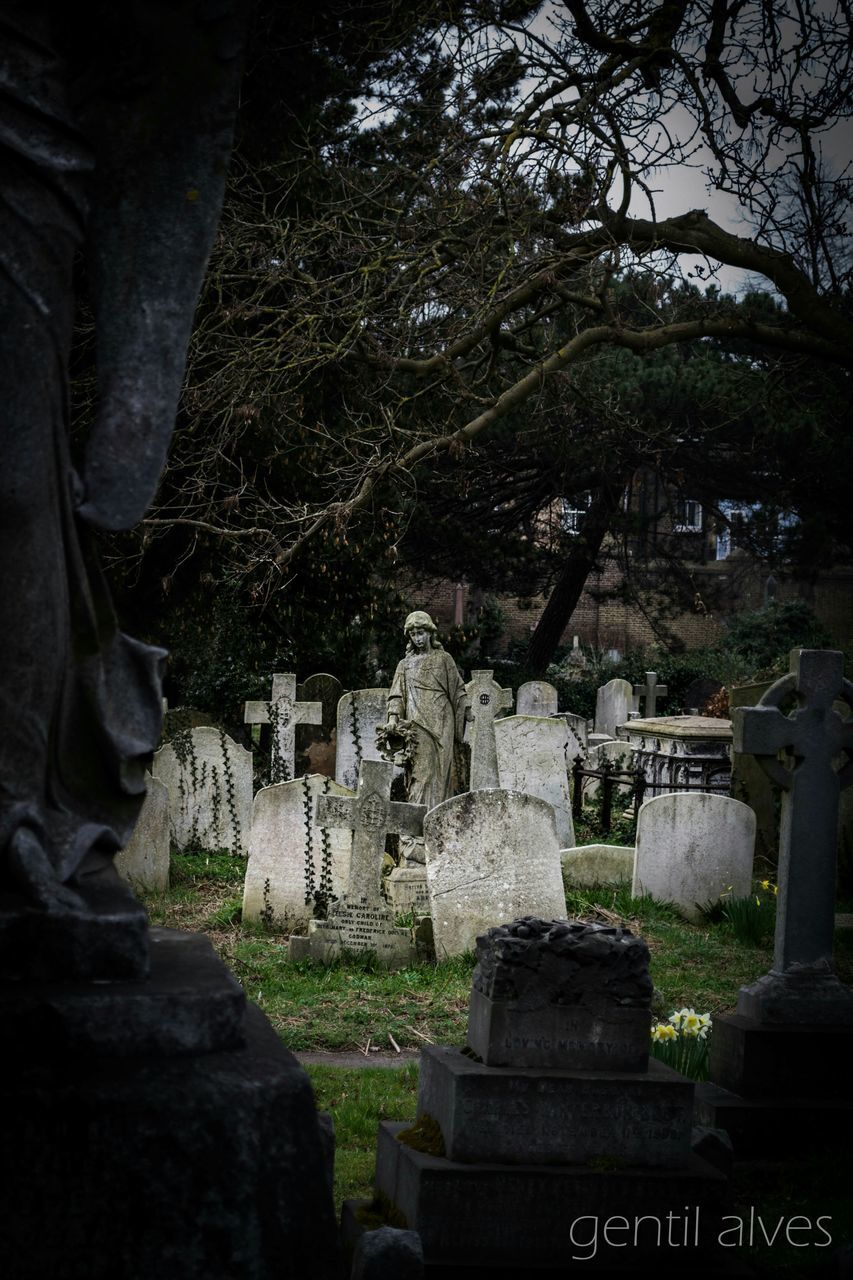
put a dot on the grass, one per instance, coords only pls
(347, 1005)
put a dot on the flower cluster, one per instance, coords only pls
(685, 1022)
(682, 1042)
(768, 884)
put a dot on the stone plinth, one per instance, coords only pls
(570, 1117)
(528, 1217)
(129, 1156)
(571, 996)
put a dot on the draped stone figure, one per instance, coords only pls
(115, 128)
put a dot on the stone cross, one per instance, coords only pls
(484, 699)
(814, 734)
(284, 713)
(651, 690)
(371, 815)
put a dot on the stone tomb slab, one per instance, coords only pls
(692, 848)
(589, 865)
(532, 754)
(293, 860)
(518, 1115)
(209, 779)
(491, 855)
(144, 861)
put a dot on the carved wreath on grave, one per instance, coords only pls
(398, 743)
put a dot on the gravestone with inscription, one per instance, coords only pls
(360, 714)
(209, 779)
(536, 698)
(485, 699)
(361, 920)
(490, 855)
(144, 861)
(315, 743)
(613, 702)
(780, 1065)
(552, 1113)
(533, 757)
(283, 713)
(296, 867)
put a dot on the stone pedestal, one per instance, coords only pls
(163, 1129)
(681, 753)
(778, 1088)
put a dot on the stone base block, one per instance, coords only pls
(773, 1128)
(513, 1115)
(104, 939)
(565, 1037)
(195, 1167)
(407, 891)
(808, 999)
(524, 1217)
(765, 1060)
(190, 1003)
(356, 926)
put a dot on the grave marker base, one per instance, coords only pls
(356, 925)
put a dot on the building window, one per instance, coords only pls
(687, 516)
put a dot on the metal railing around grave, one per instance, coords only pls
(714, 776)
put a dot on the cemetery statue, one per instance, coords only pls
(427, 703)
(108, 157)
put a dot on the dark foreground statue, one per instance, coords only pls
(153, 1124)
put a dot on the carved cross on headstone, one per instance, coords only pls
(371, 815)
(484, 700)
(651, 691)
(814, 734)
(284, 713)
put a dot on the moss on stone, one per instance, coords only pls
(424, 1135)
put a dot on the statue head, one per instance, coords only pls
(419, 624)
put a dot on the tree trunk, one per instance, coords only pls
(569, 585)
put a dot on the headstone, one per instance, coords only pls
(315, 744)
(612, 705)
(485, 699)
(536, 698)
(578, 733)
(296, 867)
(620, 755)
(595, 739)
(587, 866)
(361, 920)
(491, 855)
(649, 694)
(209, 779)
(750, 783)
(783, 1059)
(144, 861)
(283, 713)
(532, 754)
(692, 848)
(553, 1115)
(360, 714)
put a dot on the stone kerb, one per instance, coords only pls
(293, 861)
(692, 848)
(532, 753)
(209, 779)
(144, 861)
(491, 855)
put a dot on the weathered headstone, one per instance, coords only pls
(536, 698)
(750, 783)
(315, 744)
(783, 1059)
(589, 865)
(649, 693)
(613, 702)
(485, 699)
(360, 713)
(144, 861)
(554, 1115)
(619, 755)
(296, 867)
(532, 754)
(491, 854)
(692, 848)
(283, 713)
(578, 733)
(209, 779)
(361, 920)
